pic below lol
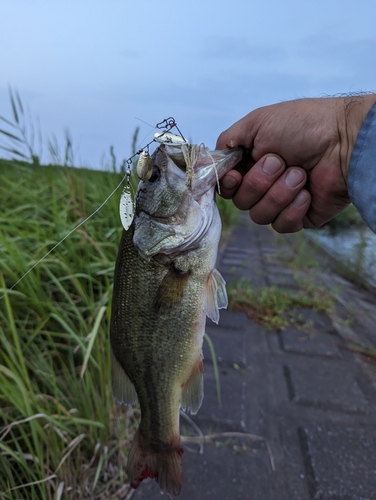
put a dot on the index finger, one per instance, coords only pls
(241, 133)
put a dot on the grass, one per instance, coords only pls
(274, 307)
(230, 215)
(61, 434)
(348, 219)
(57, 416)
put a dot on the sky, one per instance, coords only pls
(100, 67)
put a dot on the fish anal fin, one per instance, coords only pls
(161, 462)
(171, 290)
(122, 388)
(215, 295)
(193, 390)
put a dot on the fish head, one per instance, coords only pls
(162, 192)
(174, 199)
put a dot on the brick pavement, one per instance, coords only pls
(311, 401)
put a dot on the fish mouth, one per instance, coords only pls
(210, 167)
(202, 160)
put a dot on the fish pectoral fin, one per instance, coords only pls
(193, 390)
(215, 295)
(171, 290)
(122, 388)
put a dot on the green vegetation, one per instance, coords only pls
(369, 353)
(59, 427)
(348, 219)
(57, 416)
(229, 213)
(61, 434)
(274, 307)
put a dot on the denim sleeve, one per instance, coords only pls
(361, 182)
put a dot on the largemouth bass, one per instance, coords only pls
(164, 287)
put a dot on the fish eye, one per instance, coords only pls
(155, 174)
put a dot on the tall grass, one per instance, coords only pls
(57, 416)
(61, 434)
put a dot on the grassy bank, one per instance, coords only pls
(55, 404)
(61, 435)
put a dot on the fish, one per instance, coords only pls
(165, 284)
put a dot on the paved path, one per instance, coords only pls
(312, 401)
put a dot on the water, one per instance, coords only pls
(353, 247)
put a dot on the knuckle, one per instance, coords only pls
(287, 229)
(254, 185)
(280, 198)
(260, 218)
(289, 220)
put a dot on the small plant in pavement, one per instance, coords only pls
(272, 306)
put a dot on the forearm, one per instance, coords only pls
(361, 180)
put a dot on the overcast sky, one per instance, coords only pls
(95, 65)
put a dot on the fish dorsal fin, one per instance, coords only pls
(122, 388)
(215, 295)
(171, 290)
(193, 391)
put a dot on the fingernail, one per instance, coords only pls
(271, 165)
(228, 182)
(294, 177)
(300, 199)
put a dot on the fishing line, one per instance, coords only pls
(65, 237)
(167, 124)
(146, 123)
(143, 121)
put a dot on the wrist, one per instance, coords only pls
(351, 112)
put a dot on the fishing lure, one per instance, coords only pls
(127, 205)
(144, 166)
(144, 170)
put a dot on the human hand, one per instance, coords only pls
(294, 173)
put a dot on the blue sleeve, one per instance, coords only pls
(361, 181)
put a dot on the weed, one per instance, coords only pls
(348, 218)
(229, 213)
(20, 136)
(215, 366)
(368, 353)
(66, 157)
(273, 307)
(60, 431)
(58, 422)
(300, 254)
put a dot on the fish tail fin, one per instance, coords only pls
(163, 464)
